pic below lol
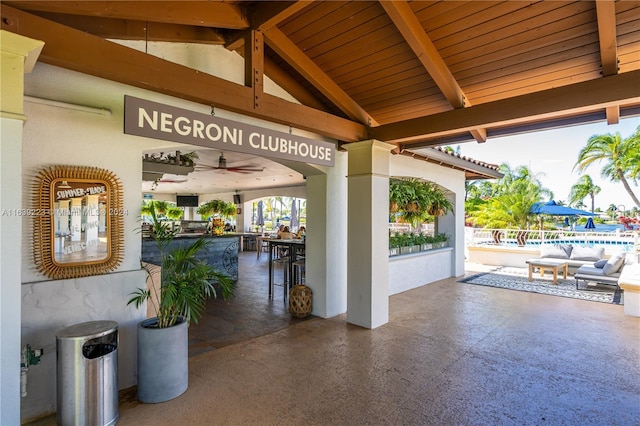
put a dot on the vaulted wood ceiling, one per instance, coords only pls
(415, 74)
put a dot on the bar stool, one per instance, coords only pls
(250, 243)
(299, 273)
(261, 244)
(280, 257)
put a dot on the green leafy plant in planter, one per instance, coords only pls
(394, 244)
(402, 243)
(161, 207)
(440, 240)
(186, 282)
(415, 200)
(220, 207)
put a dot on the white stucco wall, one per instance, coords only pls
(57, 136)
(415, 270)
(453, 182)
(10, 248)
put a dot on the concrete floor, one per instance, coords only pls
(249, 314)
(451, 354)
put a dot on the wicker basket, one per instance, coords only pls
(300, 301)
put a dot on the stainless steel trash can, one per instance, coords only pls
(87, 374)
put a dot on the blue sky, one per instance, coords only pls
(552, 154)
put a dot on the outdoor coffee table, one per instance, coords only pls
(553, 264)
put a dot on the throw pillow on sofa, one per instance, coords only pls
(587, 253)
(557, 251)
(614, 264)
(600, 263)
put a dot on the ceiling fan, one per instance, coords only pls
(222, 165)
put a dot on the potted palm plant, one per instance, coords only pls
(186, 282)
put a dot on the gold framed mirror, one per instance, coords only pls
(78, 221)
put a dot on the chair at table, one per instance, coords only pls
(250, 243)
(262, 245)
(299, 273)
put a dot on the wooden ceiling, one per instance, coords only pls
(415, 74)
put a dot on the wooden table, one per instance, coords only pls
(553, 264)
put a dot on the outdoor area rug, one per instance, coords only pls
(565, 288)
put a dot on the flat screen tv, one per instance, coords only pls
(187, 200)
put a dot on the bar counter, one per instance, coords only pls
(221, 251)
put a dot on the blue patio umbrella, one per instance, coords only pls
(590, 224)
(553, 209)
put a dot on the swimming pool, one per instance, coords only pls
(613, 241)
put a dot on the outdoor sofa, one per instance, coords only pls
(575, 255)
(589, 263)
(605, 271)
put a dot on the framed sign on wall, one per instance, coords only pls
(77, 221)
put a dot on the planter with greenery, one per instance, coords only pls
(414, 200)
(221, 209)
(404, 243)
(161, 208)
(217, 207)
(186, 283)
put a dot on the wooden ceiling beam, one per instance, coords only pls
(574, 99)
(414, 34)
(254, 66)
(406, 22)
(613, 114)
(606, 12)
(127, 29)
(198, 13)
(286, 49)
(78, 51)
(266, 18)
(267, 15)
(288, 83)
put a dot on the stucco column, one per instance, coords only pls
(326, 248)
(368, 235)
(19, 55)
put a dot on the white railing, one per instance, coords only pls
(628, 241)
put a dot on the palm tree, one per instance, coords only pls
(511, 200)
(633, 162)
(580, 205)
(582, 189)
(470, 189)
(618, 155)
(520, 173)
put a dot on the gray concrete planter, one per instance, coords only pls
(163, 361)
